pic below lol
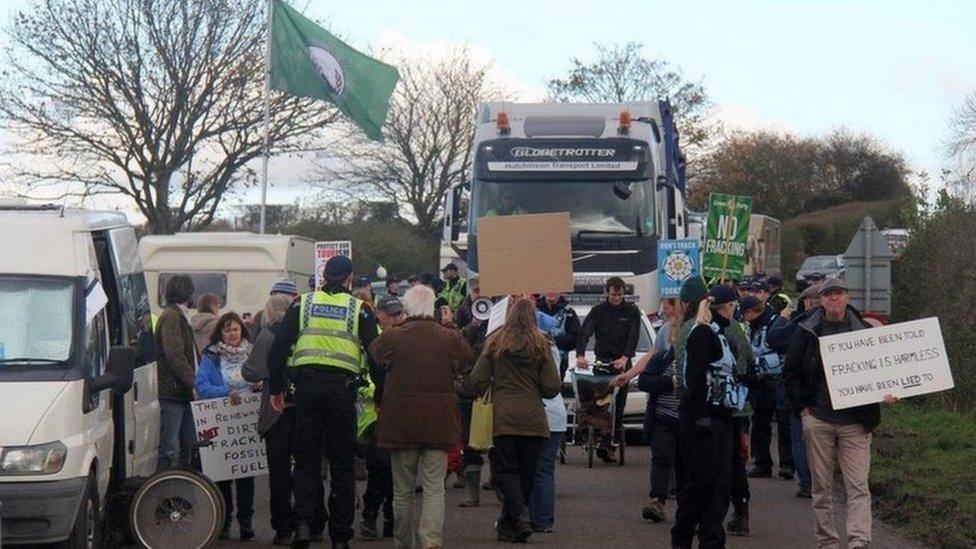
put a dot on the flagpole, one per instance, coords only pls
(267, 116)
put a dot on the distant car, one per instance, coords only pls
(636, 399)
(830, 266)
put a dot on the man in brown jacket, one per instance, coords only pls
(176, 372)
(418, 420)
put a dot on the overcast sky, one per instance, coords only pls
(891, 69)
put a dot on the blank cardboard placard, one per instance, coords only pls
(524, 254)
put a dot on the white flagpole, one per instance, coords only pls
(267, 115)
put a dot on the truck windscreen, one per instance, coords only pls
(35, 320)
(597, 208)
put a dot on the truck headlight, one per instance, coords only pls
(42, 459)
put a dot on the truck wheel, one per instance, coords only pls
(85, 533)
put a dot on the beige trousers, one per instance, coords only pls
(412, 468)
(850, 446)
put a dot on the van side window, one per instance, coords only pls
(95, 347)
(203, 283)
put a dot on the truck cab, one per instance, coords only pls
(78, 400)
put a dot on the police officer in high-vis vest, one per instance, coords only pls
(319, 347)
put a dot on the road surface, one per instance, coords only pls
(601, 508)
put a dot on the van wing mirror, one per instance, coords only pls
(118, 375)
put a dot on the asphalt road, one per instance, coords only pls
(600, 507)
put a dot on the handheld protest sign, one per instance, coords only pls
(523, 254)
(235, 448)
(905, 360)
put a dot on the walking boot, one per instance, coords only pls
(302, 537)
(472, 481)
(367, 528)
(654, 512)
(739, 525)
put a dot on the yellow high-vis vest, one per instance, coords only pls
(329, 336)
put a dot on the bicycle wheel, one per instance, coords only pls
(590, 446)
(177, 508)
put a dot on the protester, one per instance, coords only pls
(765, 397)
(417, 420)
(518, 364)
(655, 373)
(277, 430)
(832, 436)
(704, 438)
(392, 286)
(542, 502)
(455, 288)
(176, 376)
(615, 323)
(779, 336)
(472, 460)
(464, 314)
(283, 286)
(740, 495)
(220, 375)
(414, 280)
(778, 299)
(567, 328)
(379, 471)
(205, 320)
(320, 344)
(363, 289)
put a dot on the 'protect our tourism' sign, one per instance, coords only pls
(324, 251)
(726, 236)
(677, 261)
(905, 359)
(235, 450)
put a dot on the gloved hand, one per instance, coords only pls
(703, 427)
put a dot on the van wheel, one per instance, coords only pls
(85, 533)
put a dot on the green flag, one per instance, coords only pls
(726, 236)
(308, 61)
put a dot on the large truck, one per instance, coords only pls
(616, 168)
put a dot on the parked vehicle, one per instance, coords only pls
(830, 266)
(79, 413)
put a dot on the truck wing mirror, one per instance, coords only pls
(623, 189)
(118, 375)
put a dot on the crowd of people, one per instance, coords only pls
(392, 381)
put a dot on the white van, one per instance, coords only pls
(239, 268)
(78, 399)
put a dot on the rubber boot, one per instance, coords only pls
(472, 486)
(739, 525)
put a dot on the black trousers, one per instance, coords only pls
(703, 465)
(664, 436)
(379, 481)
(620, 402)
(513, 464)
(325, 416)
(278, 442)
(245, 500)
(471, 459)
(764, 403)
(740, 481)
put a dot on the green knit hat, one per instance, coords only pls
(693, 290)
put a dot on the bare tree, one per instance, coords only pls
(429, 134)
(961, 179)
(157, 100)
(623, 73)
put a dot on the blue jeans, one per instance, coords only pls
(799, 452)
(542, 503)
(177, 435)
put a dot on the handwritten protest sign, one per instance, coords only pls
(236, 449)
(905, 359)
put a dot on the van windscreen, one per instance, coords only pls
(35, 319)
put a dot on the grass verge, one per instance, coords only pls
(923, 474)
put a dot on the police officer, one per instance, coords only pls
(778, 299)
(704, 449)
(319, 347)
(455, 288)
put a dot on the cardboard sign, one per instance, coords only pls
(726, 236)
(520, 254)
(677, 261)
(236, 449)
(905, 359)
(324, 251)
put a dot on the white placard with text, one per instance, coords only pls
(236, 449)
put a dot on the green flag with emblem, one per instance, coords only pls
(308, 61)
(726, 236)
